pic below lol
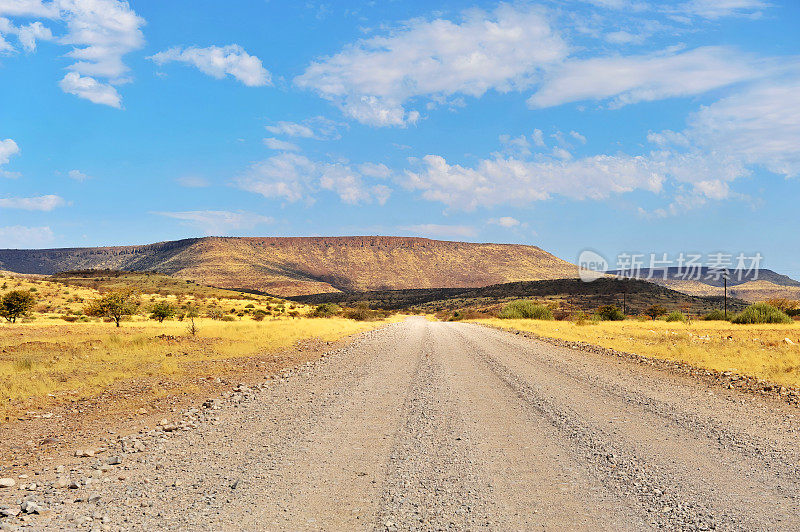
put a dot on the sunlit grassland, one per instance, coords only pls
(47, 361)
(756, 350)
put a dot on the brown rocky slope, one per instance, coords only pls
(287, 266)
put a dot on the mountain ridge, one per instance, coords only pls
(305, 265)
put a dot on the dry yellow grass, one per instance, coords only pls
(756, 350)
(46, 362)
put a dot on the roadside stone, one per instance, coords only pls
(7, 482)
(84, 453)
(30, 507)
(9, 512)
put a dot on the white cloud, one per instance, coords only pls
(77, 175)
(100, 33)
(91, 89)
(281, 145)
(294, 177)
(35, 203)
(219, 223)
(29, 8)
(376, 170)
(714, 9)
(515, 145)
(505, 221)
(191, 181)
(374, 79)
(22, 237)
(538, 137)
(217, 61)
(757, 126)
(503, 180)
(439, 231)
(318, 128)
(577, 136)
(630, 79)
(26, 35)
(8, 148)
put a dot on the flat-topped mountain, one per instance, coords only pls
(287, 266)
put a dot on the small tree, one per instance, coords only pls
(162, 310)
(654, 311)
(115, 305)
(192, 313)
(610, 313)
(15, 304)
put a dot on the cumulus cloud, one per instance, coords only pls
(35, 203)
(439, 230)
(629, 79)
(77, 175)
(23, 237)
(219, 223)
(507, 180)
(756, 127)
(99, 32)
(318, 128)
(281, 145)
(217, 61)
(505, 221)
(294, 177)
(8, 148)
(374, 79)
(27, 35)
(90, 89)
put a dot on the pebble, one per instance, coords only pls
(30, 507)
(7, 482)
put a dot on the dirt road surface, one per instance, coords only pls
(430, 426)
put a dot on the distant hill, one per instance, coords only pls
(758, 285)
(307, 265)
(568, 294)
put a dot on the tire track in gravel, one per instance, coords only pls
(683, 482)
(431, 479)
(536, 481)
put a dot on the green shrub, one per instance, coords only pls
(227, 317)
(761, 313)
(259, 315)
(610, 313)
(582, 318)
(325, 310)
(715, 315)
(676, 315)
(524, 309)
(361, 312)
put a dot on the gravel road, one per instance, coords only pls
(423, 425)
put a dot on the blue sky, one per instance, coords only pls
(616, 125)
